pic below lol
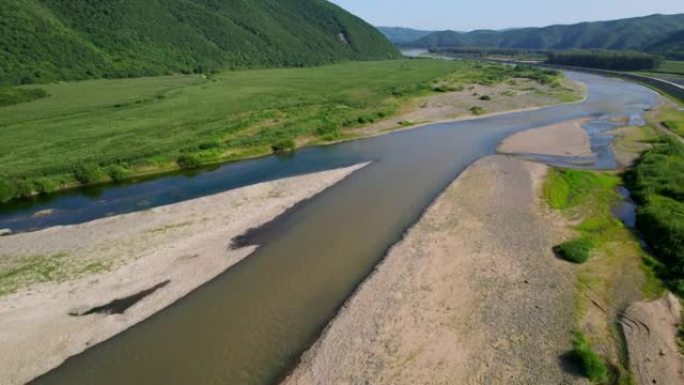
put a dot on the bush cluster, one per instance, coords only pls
(604, 59)
(657, 185)
(592, 365)
(576, 250)
(283, 146)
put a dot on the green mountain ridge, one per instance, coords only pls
(672, 46)
(401, 35)
(49, 40)
(637, 33)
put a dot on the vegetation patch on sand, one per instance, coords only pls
(576, 250)
(102, 130)
(575, 190)
(612, 275)
(17, 273)
(593, 366)
(630, 142)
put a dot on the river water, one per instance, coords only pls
(250, 324)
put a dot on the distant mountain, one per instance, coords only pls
(400, 35)
(47, 40)
(671, 46)
(634, 33)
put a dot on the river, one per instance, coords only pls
(250, 324)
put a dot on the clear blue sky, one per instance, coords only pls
(466, 15)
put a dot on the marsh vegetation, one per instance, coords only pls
(109, 130)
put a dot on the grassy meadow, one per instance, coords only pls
(101, 130)
(671, 67)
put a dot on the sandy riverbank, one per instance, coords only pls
(158, 255)
(517, 95)
(650, 330)
(472, 295)
(562, 139)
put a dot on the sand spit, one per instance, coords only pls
(650, 331)
(472, 295)
(562, 139)
(153, 258)
(518, 95)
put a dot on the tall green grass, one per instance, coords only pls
(587, 195)
(102, 130)
(673, 119)
(671, 67)
(10, 96)
(657, 184)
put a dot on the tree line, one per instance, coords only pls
(604, 59)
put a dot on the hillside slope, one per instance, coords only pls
(47, 40)
(671, 46)
(634, 33)
(400, 35)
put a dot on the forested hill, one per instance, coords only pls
(634, 33)
(47, 40)
(400, 35)
(671, 46)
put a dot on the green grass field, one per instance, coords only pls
(673, 119)
(669, 67)
(672, 67)
(101, 130)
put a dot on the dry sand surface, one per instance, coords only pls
(472, 295)
(630, 142)
(651, 330)
(522, 94)
(562, 139)
(185, 244)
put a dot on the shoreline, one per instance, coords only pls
(118, 271)
(173, 168)
(422, 317)
(565, 139)
(417, 316)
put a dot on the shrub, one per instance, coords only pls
(593, 366)
(477, 110)
(23, 188)
(328, 130)
(447, 88)
(117, 173)
(657, 185)
(45, 186)
(188, 161)
(209, 145)
(283, 146)
(6, 191)
(87, 174)
(576, 250)
(11, 96)
(485, 97)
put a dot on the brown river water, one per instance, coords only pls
(250, 324)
